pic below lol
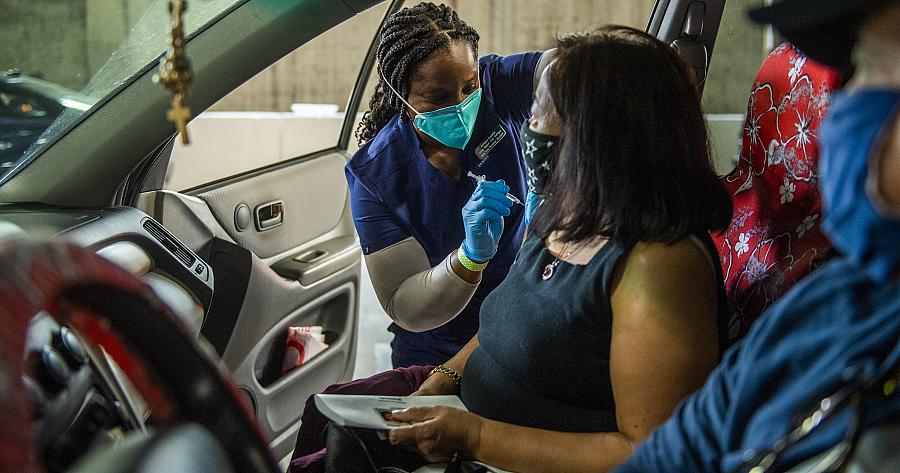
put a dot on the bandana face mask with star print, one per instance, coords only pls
(538, 150)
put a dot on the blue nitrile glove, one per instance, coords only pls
(483, 218)
(532, 201)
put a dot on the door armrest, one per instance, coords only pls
(317, 262)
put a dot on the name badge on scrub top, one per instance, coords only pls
(484, 149)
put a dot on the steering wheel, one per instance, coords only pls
(111, 308)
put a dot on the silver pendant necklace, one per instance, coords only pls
(550, 269)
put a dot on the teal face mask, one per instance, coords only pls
(451, 125)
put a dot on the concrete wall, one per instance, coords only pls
(740, 50)
(65, 41)
(312, 75)
(508, 26)
(321, 71)
(46, 37)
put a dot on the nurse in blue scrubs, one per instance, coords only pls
(436, 241)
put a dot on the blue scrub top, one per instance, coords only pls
(396, 193)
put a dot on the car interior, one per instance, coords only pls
(188, 376)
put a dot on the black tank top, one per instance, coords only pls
(543, 355)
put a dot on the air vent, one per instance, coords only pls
(170, 242)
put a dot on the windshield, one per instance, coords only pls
(59, 59)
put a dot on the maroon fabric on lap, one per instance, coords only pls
(309, 452)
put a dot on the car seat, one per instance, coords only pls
(774, 238)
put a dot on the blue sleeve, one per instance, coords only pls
(376, 225)
(510, 81)
(692, 439)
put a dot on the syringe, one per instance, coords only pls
(479, 179)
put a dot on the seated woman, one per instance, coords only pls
(613, 311)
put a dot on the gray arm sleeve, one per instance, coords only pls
(415, 295)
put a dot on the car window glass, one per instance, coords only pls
(68, 56)
(740, 49)
(292, 108)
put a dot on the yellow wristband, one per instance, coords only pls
(469, 264)
(447, 371)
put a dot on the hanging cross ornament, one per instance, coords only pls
(175, 71)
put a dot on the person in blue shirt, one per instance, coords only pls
(437, 239)
(823, 363)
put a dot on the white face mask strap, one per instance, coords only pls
(398, 95)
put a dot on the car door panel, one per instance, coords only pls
(255, 351)
(311, 207)
(303, 271)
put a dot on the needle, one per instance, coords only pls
(480, 179)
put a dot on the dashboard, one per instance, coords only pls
(79, 396)
(131, 239)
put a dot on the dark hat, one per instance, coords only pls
(824, 30)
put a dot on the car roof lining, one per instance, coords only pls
(99, 152)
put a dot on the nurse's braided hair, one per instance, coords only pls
(407, 38)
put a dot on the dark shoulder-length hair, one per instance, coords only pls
(633, 162)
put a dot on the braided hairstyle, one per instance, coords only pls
(407, 38)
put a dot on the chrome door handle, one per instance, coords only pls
(269, 215)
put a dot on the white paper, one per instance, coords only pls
(442, 467)
(366, 411)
